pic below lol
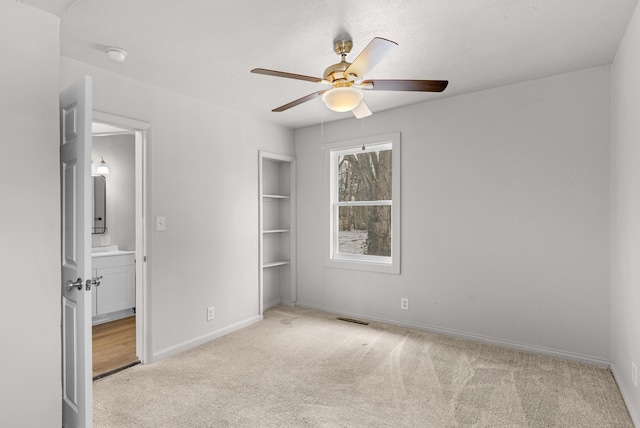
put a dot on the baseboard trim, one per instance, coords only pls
(271, 304)
(112, 316)
(533, 349)
(631, 406)
(192, 343)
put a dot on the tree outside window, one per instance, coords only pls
(364, 202)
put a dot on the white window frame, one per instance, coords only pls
(354, 261)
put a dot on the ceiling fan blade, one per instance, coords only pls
(361, 111)
(299, 101)
(287, 75)
(376, 51)
(405, 85)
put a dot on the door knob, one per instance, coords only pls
(77, 284)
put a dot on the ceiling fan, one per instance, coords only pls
(346, 79)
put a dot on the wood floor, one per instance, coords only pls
(114, 346)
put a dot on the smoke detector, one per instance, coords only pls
(116, 54)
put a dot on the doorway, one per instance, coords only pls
(119, 316)
(113, 246)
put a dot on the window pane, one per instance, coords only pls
(365, 230)
(364, 176)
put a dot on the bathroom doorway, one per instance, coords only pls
(118, 243)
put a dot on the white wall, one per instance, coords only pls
(119, 153)
(625, 202)
(505, 217)
(203, 177)
(29, 218)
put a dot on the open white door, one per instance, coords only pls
(75, 163)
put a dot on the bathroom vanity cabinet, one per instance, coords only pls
(117, 290)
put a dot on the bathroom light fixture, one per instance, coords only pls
(116, 54)
(342, 99)
(101, 169)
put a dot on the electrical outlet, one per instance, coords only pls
(404, 303)
(210, 313)
(634, 374)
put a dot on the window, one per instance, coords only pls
(364, 204)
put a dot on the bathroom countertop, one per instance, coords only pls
(111, 250)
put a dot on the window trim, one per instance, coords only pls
(360, 262)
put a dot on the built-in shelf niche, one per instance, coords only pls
(277, 230)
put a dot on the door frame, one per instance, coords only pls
(143, 318)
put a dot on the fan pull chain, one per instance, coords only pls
(322, 128)
(363, 148)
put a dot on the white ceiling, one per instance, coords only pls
(206, 48)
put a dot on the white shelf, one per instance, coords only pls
(276, 263)
(276, 197)
(276, 231)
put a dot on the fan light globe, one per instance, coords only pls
(342, 99)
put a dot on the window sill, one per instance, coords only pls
(364, 266)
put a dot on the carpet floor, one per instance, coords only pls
(305, 368)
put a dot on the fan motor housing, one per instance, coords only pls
(336, 73)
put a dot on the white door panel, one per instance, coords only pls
(75, 175)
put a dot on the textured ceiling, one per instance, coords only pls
(205, 48)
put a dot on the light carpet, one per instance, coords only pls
(305, 368)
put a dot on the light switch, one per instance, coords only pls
(160, 224)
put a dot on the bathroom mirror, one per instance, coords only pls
(99, 204)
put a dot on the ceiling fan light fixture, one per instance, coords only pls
(346, 79)
(342, 99)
